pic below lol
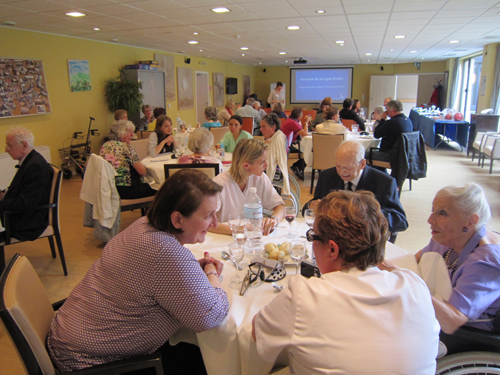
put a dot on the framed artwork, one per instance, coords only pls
(23, 89)
(246, 88)
(167, 66)
(185, 89)
(79, 75)
(218, 81)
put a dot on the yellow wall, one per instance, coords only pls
(71, 110)
(361, 77)
(488, 71)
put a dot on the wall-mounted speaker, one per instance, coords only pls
(264, 70)
(231, 86)
(188, 60)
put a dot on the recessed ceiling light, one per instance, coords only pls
(368, 60)
(399, 36)
(220, 10)
(195, 33)
(293, 27)
(454, 41)
(9, 23)
(413, 51)
(368, 54)
(341, 44)
(260, 63)
(242, 54)
(96, 29)
(244, 48)
(339, 41)
(286, 60)
(75, 14)
(423, 58)
(201, 50)
(193, 42)
(114, 40)
(282, 53)
(392, 50)
(321, 11)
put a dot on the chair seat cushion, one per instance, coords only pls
(126, 202)
(49, 231)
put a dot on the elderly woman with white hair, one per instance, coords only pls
(377, 114)
(118, 152)
(200, 142)
(472, 255)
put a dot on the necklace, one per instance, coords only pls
(446, 256)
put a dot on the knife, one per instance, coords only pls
(245, 284)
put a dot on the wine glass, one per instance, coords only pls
(237, 252)
(239, 234)
(233, 220)
(297, 252)
(290, 213)
(309, 215)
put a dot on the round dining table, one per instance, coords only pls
(229, 349)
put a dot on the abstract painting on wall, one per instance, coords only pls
(218, 80)
(185, 88)
(79, 75)
(167, 66)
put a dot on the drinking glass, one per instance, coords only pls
(233, 220)
(309, 215)
(355, 128)
(297, 252)
(290, 217)
(239, 234)
(237, 252)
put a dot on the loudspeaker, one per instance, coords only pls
(231, 86)
(188, 60)
(381, 68)
(264, 70)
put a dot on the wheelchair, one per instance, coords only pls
(471, 351)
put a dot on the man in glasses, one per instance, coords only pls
(29, 188)
(352, 173)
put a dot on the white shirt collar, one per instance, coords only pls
(355, 181)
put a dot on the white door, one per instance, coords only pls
(406, 91)
(381, 87)
(202, 96)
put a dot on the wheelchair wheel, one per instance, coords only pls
(469, 363)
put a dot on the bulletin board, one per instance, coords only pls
(23, 89)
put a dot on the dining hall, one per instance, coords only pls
(242, 91)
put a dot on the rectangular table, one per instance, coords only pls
(229, 348)
(431, 129)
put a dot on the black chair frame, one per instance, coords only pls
(168, 167)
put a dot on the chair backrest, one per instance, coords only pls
(288, 113)
(144, 134)
(141, 147)
(55, 193)
(324, 149)
(259, 137)
(247, 124)
(309, 112)
(348, 123)
(218, 132)
(27, 313)
(211, 170)
(282, 120)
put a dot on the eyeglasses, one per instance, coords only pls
(255, 272)
(313, 237)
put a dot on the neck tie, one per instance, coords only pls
(349, 186)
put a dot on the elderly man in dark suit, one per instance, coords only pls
(29, 188)
(352, 173)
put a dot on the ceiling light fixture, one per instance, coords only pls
(193, 42)
(454, 41)
(242, 54)
(201, 50)
(413, 51)
(339, 41)
(341, 44)
(244, 48)
(368, 54)
(399, 36)
(9, 23)
(114, 40)
(75, 14)
(293, 27)
(220, 10)
(286, 60)
(282, 53)
(321, 11)
(392, 50)
(96, 29)
(195, 33)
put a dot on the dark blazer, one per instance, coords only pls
(349, 114)
(29, 188)
(379, 183)
(389, 130)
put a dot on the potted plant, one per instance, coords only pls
(122, 93)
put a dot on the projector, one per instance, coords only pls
(300, 60)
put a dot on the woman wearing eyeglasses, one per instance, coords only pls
(355, 318)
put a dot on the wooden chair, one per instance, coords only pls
(288, 113)
(141, 147)
(143, 134)
(324, 149)
(247, 124)
(282, 120)
(259, 137)
(52, 231)
(211, 170)
(219, 132)
(348, 123)
(27, 313)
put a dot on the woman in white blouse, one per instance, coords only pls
(162, 140)
(247, 170)
(331, 125)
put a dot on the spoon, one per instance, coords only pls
(278, 287)
(226, 256)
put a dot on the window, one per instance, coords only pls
(471, 77)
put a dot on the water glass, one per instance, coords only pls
(237, 252)
(309, 216)
(355, 128)
(297, 252)
(239, 234)
(233, 220)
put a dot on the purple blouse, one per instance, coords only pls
(140, 292)
(475, 280)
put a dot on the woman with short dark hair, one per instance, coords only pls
(235, 133)
(211, 117)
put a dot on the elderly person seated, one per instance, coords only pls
(118, 152)
(377, 115)
(226, 113)
(278, 148)
(247, 170)
(162, 140)
(211, 118)
(331, 124)
(366, 320)
(147, 285)
(235, 134)
(319, 119)
(200, 142)
(121, 114)
(277, 108)
(147, 118)
(472, 255)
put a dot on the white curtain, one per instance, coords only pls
(454, 98)
(495, 97)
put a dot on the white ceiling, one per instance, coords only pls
(366, 26)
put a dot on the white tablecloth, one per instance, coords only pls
(229, 348)
(306, 145)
